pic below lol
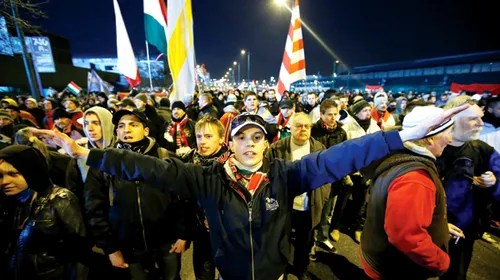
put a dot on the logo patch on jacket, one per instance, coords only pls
(271, 204)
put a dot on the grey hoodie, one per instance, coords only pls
(105, 117)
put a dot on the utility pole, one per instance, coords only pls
(27, 59)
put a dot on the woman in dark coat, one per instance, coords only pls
(46, 236)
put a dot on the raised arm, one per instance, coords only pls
(331, 165)
(166, 175)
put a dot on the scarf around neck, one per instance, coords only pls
(365, 124)
(326, 127)
(240, 178)
(283, 127)
(138, 147)
(178, 131)
(221, 156)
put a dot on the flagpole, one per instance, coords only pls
(149, 68)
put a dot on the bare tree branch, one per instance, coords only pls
(26, 8)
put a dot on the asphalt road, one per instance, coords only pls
(345, 264)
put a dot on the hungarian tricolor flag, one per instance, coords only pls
(73, 88)
(127, 65)
(155, 22)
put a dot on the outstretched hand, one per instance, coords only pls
(64, 141)
(422, 129)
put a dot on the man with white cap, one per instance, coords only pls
(406, 232)
(379, 112)
(248, 200)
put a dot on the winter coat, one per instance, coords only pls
(165, 114)
(47, 237)
(168, 141)
(338, 135)
(282, 150)
(354, 130)
(491, 135)
(249, 238)
(130, 216)
(58, 163)
(208, 110)
(457, 165)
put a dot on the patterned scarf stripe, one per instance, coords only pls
(251, 182)
(178, 131)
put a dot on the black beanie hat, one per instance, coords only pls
(60, 113)
(180, 105)
(165, 102)
(30, 163)
(357, 106)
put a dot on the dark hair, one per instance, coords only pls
(249, 93)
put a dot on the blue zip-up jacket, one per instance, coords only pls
(249, 238)
(457, 166)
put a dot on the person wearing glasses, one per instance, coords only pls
(308, 206)
(248, 200)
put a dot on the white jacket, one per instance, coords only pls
(491, 136)
(354, 130)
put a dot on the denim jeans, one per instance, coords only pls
(169, 265)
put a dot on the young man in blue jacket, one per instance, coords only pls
(248, 200)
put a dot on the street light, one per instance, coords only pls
(243, 52)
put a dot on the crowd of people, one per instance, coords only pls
(96, 187)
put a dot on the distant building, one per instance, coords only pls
(432, 74)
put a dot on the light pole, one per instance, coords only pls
(236, 63)
(335, 71)
(243, 52)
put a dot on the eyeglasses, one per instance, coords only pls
(302, 126)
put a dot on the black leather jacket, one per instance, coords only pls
(130, 216)
(47, 238)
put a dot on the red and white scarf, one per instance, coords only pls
(178, 131)
(243, 179)
(282, 125)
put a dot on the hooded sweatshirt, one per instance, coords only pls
(105, 117)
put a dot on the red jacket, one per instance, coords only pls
(410, 206)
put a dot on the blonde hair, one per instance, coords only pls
(300, 115)
(25, 137)
(208, 120)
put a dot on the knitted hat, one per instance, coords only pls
(358, 106)
(380, 98)
(164, 102)
(15, 108)
(421, 114)
(5, 115)
(60, 113)
(33, 100)
(180, 105)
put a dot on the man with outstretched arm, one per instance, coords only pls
(248, 200)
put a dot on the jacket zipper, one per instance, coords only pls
(249, 205)
(141, 218)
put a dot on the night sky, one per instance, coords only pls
(360, 32)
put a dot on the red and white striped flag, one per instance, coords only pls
(293, 67)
